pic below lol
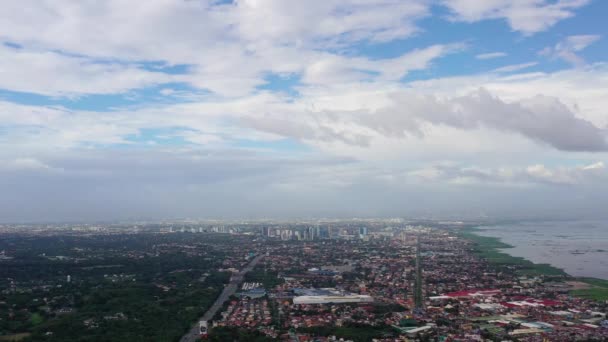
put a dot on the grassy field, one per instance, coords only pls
(36, 319)
(14, 337)
(488, 248)
(595, 282)
(598, 291)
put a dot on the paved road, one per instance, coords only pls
(418, 296)
(229, 290)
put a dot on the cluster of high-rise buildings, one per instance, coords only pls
(311, 233)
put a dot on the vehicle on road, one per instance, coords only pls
(203, 329)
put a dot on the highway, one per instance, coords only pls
(418, 296)
(229, 290)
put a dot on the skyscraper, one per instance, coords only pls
(362, 232)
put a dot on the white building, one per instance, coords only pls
(332, 299)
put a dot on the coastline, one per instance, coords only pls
(489, 248)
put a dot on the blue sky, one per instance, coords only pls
(284, 102)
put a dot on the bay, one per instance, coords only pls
(578, 247)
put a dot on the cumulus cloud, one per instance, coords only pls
(582, 89)
(540, 118)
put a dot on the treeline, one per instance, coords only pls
(351, 331)
(224, 334)
(268, 278)
(110, 297)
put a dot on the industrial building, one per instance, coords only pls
(332, 299)
(328, 296)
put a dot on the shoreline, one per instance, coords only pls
(489, 248)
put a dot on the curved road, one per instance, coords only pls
(229, 290)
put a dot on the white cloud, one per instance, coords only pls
(367, 133)
(567, 175)
(526, 16)
(582, 90)
(578, 43)
(227, 49)
(542, 119)
(568, 48)
(514, 67)
(161, 30)
(491, 55)
(26, 164)
(54, 74)
(333, 69)
(367, 120)
(514, 176)
(327, 22)
(595, 166)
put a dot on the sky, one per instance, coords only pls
(160, 109)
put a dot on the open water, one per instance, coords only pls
(578, 247)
